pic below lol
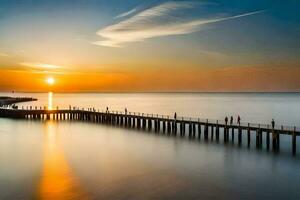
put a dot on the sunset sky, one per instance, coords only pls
(149, 45)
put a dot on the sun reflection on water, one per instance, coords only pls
(57, 180)
(50, 100)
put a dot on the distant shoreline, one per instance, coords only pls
(5, 100)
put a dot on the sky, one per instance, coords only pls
(150, 45)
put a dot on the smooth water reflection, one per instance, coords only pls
(50, 100)
(88, 161)
(57, 179)
(75, 160)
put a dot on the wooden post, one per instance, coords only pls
(260, 138)
(194, 130)
(122, 120)
(232, 134)
(126, 121)
(133, 122)
(175, 127)
(138, 122)
(183, 128)
(158, 125)
(217, 131)
(278, 139)
(206, 131)
(257, 139)
(240, 135)
(164, 126)
(212, 133)
(169, 127)
(180, 128)
(149, 124)
(199, 130)
(225, 133)
(249, 135)
(144, 123)
(294, 141)
(274, 140)
(268, 138)
(190, 129)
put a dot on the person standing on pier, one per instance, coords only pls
(239, 120)
(175, 115)
(273, 123)
(226, 120)
(106, 109)
(231, 120)
(125, 111)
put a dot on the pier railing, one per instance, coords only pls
(167, 117)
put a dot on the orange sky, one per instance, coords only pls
(203, 80)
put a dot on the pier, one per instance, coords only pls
(181, 126)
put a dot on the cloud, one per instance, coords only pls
(40, 66)
(154, 22)
(126, 13)
(35, 71)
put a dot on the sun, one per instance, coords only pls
(50, 80)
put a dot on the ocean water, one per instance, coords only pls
(77, 160)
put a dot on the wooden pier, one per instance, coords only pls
(181, 126)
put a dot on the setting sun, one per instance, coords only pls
(50, 81)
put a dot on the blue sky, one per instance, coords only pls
(134, 35)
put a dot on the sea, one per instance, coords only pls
(82, 160)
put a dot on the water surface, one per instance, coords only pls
(76, 160)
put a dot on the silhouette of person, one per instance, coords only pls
(239, 120)
(231, 120)
(175, 115)
(106, 109)
(125, 111)
(273, 123)
(226, 120)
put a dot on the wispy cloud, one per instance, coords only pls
(40, 66)
(156, 21)
(126, 13)
(35, 71)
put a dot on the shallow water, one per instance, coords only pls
(75, 160)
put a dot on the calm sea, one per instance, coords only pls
(76, 160)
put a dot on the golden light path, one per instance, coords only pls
(57, 180)
(50, 100)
